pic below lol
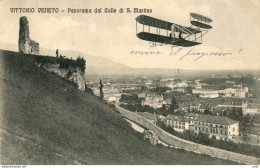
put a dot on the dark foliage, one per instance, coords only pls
(101, 89)
(64, 63)
(88, 90)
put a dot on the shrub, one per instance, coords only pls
(64, 63)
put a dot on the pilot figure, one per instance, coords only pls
(179, 35)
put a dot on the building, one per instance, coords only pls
(222, 128)
(153, 100)
(204, 91)
(202, 108)
(240, 94)
(230, 82)
(178, 123)
(209, 96)
(194, 106)
(229, 92)
(249, 136)
(233, 104)
(141, 95)
(251, 109)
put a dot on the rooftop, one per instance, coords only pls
(216, 120)
(175, 118)
(254, 105)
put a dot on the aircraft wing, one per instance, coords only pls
(166, 40)
(150, 21)
(200, 17)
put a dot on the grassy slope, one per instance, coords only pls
(44, 120)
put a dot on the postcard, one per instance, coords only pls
(119, 82)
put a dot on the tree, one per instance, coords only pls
(207, 111)
(101, 89)
(81, 63)
(174, 105)
(159, 123)
(188, 89)
(88, 90)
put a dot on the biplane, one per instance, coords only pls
(174, 34)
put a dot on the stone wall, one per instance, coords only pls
(34, 47)
(25, 44)
(188, 145)
(74, 75)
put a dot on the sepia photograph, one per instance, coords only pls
(120, 82)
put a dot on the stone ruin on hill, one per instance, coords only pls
(25, 44)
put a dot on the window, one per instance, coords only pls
(216, 131)
(225, 132)
(195, 128)
(221, 133)
(234, 129)
(202, 129)
(206, 129)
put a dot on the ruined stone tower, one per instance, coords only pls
(25, 44)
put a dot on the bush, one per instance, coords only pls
(64, 63)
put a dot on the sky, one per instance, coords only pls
(113, 35)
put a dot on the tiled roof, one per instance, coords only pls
(221, 120)
(174, 118)
(253, 106)
(177, 118)
(216, 120)
(191, 115)
(254, 130)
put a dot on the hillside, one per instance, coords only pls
(44, 120)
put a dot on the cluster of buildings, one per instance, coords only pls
(229, 92)
(251, 109)
(113, 93)
(225, 108)
(215, 125)
(220, 127)
(153, 100)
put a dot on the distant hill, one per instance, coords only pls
(91, 61)
(102, 67)
(45, 120)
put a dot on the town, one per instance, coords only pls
(223, 108)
